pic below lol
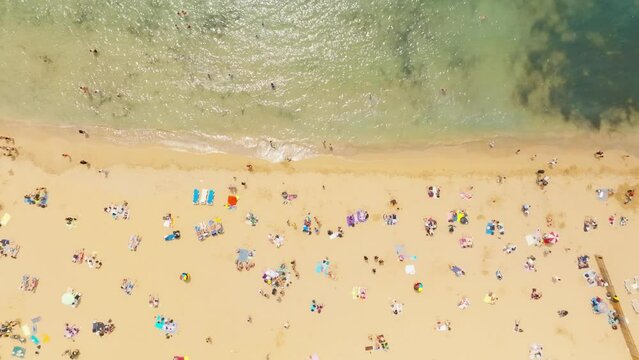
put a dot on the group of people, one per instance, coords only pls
(38, 197)
(9, 150)
(118, 211)
(9, 248)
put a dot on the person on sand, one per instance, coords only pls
(517, 328)
(8, 140)
(82, 132)
(72, 354)
(84, 162)
(154, 301)
(630, 194)
(104, 172)
(65, 155)
(249, 167)
(535, 295)
(443, 326)
(599, 154)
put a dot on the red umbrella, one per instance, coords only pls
(232, 200)
(551, 238)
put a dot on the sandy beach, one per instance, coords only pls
(224, 304)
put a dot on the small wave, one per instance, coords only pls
(270, 149)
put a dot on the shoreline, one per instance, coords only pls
(431, 160)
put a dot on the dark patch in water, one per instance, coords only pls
(217, 23)
(592, 51)
(82, 15)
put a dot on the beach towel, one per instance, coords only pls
(35, 340)
(244, 255)
(5, 219)
(465, 196)
(43, 200)
(322, 267)
(457, 270)
(203, 195)
(159, 322)
(170, 328)
(490, 229)
(350, 220)
(362, 215)
(591, 278)
(196, 196)
(602, 194)
(172, 236)
(97, 327)
(402, 254)
(532, 240)
(210, 197)
(18, 352)
(26, 330)
(359, 292)
(466, 242)
(410, 269)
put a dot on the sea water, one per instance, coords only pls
(276, 78)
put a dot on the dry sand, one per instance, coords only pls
(219, 299)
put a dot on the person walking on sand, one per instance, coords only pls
(83, 162)
(9, 140)
(82, 132)
(65, 155)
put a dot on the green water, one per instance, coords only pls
(356, 73)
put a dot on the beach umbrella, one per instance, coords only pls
(68, 299)
(419, 287)
(232, 200)
(186, 277)
(551, 238)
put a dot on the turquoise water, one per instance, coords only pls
(354, 73)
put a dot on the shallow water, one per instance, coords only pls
(356, 73)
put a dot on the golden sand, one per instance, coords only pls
(219, 300)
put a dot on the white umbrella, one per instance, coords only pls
(68, 299)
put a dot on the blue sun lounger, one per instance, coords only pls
(210, 197)
(196, 196)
